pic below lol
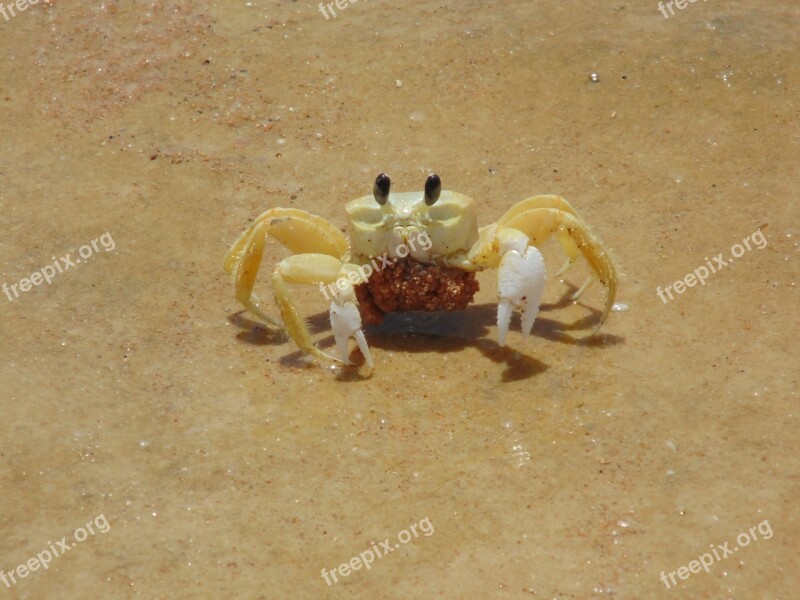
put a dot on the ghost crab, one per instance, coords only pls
(430, 248)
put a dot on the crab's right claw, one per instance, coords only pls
(346, 323)
(520, 284)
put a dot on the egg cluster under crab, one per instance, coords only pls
(438, 275)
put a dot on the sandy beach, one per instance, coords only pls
(158, 441)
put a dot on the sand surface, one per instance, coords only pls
(215, 461)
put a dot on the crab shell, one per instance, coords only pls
(451, 225)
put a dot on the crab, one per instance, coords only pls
(412, 251)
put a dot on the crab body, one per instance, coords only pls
(412, 251)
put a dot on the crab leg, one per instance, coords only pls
(298, 230)
(573, 252)
(344, 315)
(540, 201)
(547, 201)
(247, 264)
(303, 268)
(540, 223)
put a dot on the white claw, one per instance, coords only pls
(504, 311)
(521, 280)
(346, 323)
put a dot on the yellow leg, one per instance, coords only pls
(548, 201)
(570, 249)
(298, 230)
(540, 223)
(573, 252)
(247, 266)
(308, 269)
(483, 251)
(541, 201)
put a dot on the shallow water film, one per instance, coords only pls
(160, 441)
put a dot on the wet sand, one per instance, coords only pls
(229, 465)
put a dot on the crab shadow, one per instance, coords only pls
(443, 332)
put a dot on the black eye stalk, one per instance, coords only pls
(433, 187)
(381, 188)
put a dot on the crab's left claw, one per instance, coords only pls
(521, 279)
(346, 323)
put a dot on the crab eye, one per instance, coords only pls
(381, 188)
(433, 187)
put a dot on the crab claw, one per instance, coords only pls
(521, 278)
(346, 323)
